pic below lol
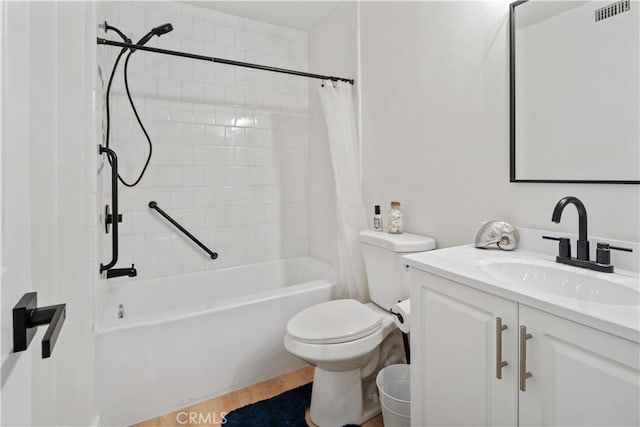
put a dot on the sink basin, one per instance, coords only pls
(562, 281)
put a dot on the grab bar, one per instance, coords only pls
(154, 205)
(114, 218)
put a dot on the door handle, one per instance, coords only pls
(27, 316)
(524, 336)
(499, 362)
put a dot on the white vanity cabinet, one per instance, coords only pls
(579, 375)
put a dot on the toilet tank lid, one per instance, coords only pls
(405, 242)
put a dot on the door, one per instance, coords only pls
(459, 346)
(15, 229)
(579, 376)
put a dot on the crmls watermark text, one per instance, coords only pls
(201, 417)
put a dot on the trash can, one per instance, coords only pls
(394, 387)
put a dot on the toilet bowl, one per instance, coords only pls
(347, 341)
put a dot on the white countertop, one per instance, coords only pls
(462, 264)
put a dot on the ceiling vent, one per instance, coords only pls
(612, 10)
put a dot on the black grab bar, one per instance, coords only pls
(109, 218)
(154, 205)
(113, 219)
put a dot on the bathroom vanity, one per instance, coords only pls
(514, 338)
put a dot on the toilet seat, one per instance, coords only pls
(334, 322)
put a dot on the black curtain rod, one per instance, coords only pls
(222, 61)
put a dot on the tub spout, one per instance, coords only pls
(118, 272)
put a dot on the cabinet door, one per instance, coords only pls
(454, 355)
(579, 376)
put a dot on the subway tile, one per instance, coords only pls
(181, 197)
(225, 35)
(225, 116)
(204, 114)
(193, 176)
(180, 154)
(169, 175)
(194, 218)
(236, 235)
(236, 215)
(214, 135)
(235, 196)
(168, 132)
(245, 40)
(204, 197)
(216, 216)
(144, 222)
(192, 91)
(169, 88)
(213, 93)
(204, 155)
(192, 133)
(233, 95)
(234, 136)
(204, 31)
(216, 175)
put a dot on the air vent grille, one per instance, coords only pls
(612, 10)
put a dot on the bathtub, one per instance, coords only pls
(191, 337)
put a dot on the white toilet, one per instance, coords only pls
(348, 341)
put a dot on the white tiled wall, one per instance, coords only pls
(229, 144)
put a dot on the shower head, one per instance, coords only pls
(157, 31)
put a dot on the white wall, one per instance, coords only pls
(435, 120)
(56, 186)
(332, 51)
(230, 144)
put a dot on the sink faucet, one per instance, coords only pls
(583, 242)
(603, 258)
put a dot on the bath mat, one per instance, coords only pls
(286, 409)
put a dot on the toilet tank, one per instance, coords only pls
(383, 254)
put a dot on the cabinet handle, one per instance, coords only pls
(499, 362)
(524, 336)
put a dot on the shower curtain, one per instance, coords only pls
(337, 104)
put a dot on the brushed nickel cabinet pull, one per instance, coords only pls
(499, 362)
(524, 336)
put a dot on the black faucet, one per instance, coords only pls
(602, 262)
(118, 272)
(583, 243)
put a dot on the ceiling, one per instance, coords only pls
(300, 15)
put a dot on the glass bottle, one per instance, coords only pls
(377, 218)
(395, 219)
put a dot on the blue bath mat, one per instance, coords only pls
(286, 409)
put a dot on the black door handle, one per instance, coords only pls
(27, 317)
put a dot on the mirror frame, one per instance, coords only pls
(512, 113)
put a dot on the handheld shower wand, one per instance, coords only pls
(157, 31)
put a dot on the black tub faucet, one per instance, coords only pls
(583, 242)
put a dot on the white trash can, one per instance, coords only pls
(394, 387)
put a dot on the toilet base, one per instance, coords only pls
(336, 397)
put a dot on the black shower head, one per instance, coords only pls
(157, 31)
(162, 29)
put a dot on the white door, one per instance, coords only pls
(456, 352)
(15, 229)
(579, 376)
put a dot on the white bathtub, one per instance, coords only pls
(192, 337)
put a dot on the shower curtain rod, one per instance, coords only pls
(222, 61)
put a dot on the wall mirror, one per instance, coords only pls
(575, 91)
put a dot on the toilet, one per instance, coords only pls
(347, 341)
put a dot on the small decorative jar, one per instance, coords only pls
(395, 219)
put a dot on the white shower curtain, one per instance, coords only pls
(337, 104)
